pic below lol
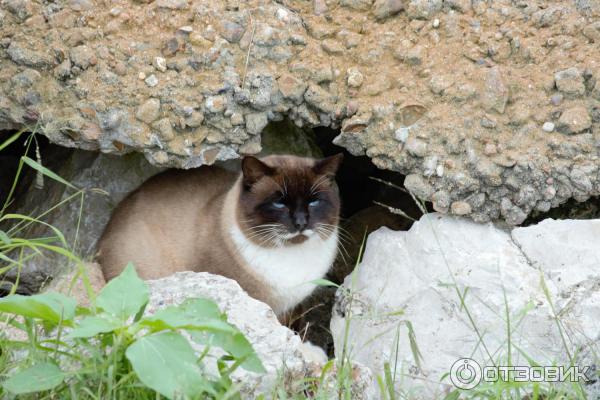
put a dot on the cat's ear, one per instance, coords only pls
(328, 166)
(253, 169)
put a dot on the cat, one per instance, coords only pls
(273, 227)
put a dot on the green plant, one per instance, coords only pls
(110, 350)
(17, 247)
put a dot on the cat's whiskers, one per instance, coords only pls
(326, 230)
(266, 234)
(261, 234)
(342, 233)
(285, 190)
(317, 183)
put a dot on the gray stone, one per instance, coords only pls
(592, 31)
(459, 5)
(165, 128)
(319, 98)
(423, 9)
(439, 83)
(22, 9)
(231, 31)
(195, 119)
(570, 82)
(488, 123)
(332, 46)
(419, 186)
(574, 120)
(511, 213)
(415, 55)
(160, 64)
(148, 111)
(216, 104)
(82, 56)
(172, 4)
(416, 147)
(548, 16)
(385, 8)
(556, 99)
(495, 95)
(151, 81)
(355, 78)
(21, 55)
(441, 201)
(357, 4)
(81, 5)
(291, 87)
(256, 122)
(319, 7)
(460, 208)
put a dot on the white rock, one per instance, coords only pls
(425, 271)
(281, 351)
(548, 127)
(160, 64)
(151, 81)
(355, 78)
(568, 251)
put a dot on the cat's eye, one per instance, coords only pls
(314, 203)
(278, 205)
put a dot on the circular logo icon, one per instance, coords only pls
(465, 373)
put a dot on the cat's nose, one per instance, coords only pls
(300, 221)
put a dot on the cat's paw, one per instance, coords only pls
(313, 353)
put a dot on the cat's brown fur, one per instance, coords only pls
(180, 220)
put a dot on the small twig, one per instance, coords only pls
(396, 211)
(390, 184)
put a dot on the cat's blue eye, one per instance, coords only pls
(278, 204)
(314, 203)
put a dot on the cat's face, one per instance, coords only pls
(285, 200)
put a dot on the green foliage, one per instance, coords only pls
(50, 307)
(40, 377)
(165, 362)
(110, 348)
(17, 246)
(123, 296)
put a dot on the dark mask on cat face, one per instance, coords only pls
(285, 200)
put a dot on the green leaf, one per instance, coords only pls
(453, 395)
(11, 139)
(39, 167)
(123, 296)
(40, 377)
(235, 344)
(92, 326)
(26, 218)
(324, 282)
(166, 363)
(4, 238)
(199, 314)
(52, 307)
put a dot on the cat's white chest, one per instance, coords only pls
(288, 270)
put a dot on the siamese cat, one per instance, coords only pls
(273, 227)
